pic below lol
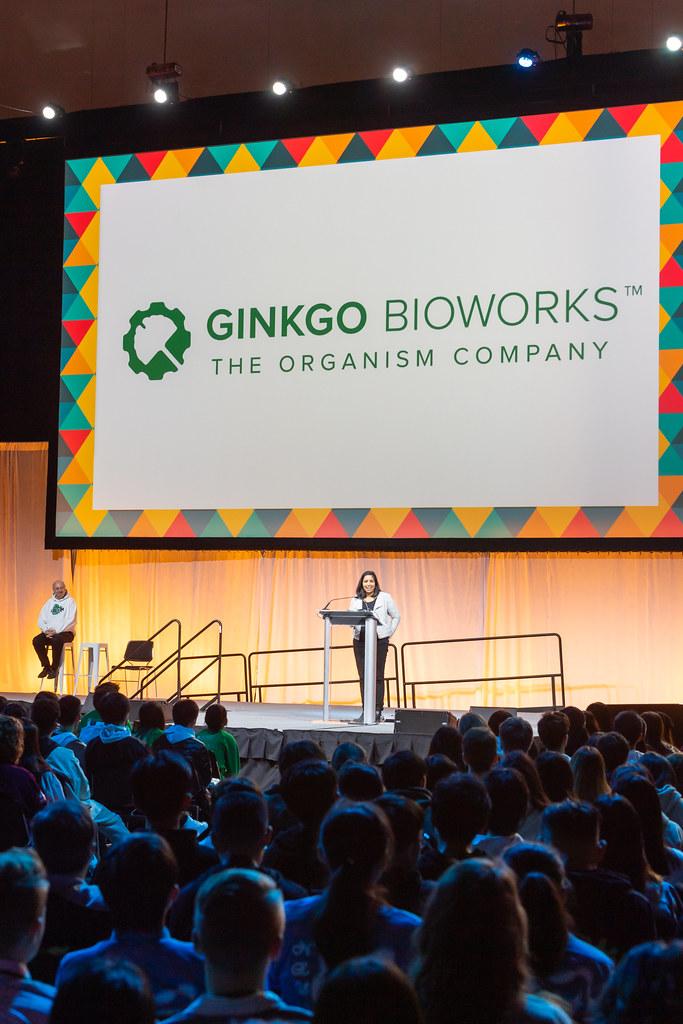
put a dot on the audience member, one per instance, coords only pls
(632, 727)
(51, 785)
(607, 910)
(555, 773)
(447, 740)
(309, 790)
(654, 734)
(365, 990)
(359, 782)
(347, 752)
(220, 742)
(647, 987)
(404, 886)
(439, 767)
(614, 749)
(107, 993)
(91, 721)
(662, 773)
(290, 754)
(553, 731)
(641, 792)
(590, 777)
(23, 898)
(471, 720)
(509, 796)
(530, 826)
(138, 878)
(240, 834)
(20, 795)
(69, 719)
(111, 755)
(237, 959)
(460, 811)
(676, 762)
(349, 919)
(180, 739)
(472, 952)
(405, 772)
(600, 714)
(151, 723)
(578, 733)
(161, 788)
(61, 759)
(479, 750)
(496, 720)
(516, 734)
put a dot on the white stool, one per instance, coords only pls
(62, 668)
(92, 652)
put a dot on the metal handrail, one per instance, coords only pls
(215, 658)
(175, 655)
(552, 676)
(258, 687)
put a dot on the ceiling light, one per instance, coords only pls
(400, 74)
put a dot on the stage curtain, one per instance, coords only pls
(618, 614)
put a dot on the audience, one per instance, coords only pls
(496, 720)
(23, 898)
(647, 986)
(359, 781)
(107, 993)
(52, 786)
(405, 772)
(91, 721)
(347, 752)
(439, 767)
(111, 754)
(479, 750)
(69, 720)
(290, 754)
(404, 885)
(151, 723)
(590, 777)
(578, 733)
(553, 731)
(471, 720)
(530, 826)
(654, 734)
(220, 742)
(614, 749)
(138, 879)
(365, 990)
(555, 772)
(180, 739)
(20, 795)
(641, 792)
(632, 727)
(509, 796)
(662, 773)
(447, 741)
(460, 810)
(515, 734)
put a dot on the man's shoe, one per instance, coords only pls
(53, 673)
(44, 673)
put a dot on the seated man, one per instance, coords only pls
(110, 756)
(67, 733)
(238, 957)
(404, 772)
(91, 721)
(23, 897)
(632, 727)
(138, 878)
(479, 750)
(405, 887)
(180, 738)
(509, 796)
(64, 837)
(57, 623)
(515, 734)
(553, 731)
(106, 993)
(460, 811)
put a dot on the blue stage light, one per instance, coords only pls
(527, 59)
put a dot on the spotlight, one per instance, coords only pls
(279, 87)
(674, 43)
(51, 111)
(573, 26)
(164, 81)
(400, 74)
(527, 59)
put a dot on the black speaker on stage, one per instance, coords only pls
(421, 723)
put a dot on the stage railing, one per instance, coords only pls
(259, 687)
(168, 661)
(215, 659)
(552, 676)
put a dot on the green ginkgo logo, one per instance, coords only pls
(170, 355)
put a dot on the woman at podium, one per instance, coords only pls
(370, 597)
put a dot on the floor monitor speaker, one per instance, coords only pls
(421, 723)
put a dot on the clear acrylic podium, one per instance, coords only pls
(334, 618)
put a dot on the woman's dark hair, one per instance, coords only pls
(555, 773)
(151, 716)
(358, 781)
(540, 883)
(357, 843)
(641, 792)
(368, 991)
(359, 589)
(590, 777)
(654, 732)
(471, 967)
(623, 837)
(447, 740)
(32, 759)
(578, 733)
(439, 767)
(522, 763)
(647, 986)
(602, 715)
(497, 718)
(106, 992)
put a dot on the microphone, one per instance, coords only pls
(332, 599)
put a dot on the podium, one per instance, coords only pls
(338, 618)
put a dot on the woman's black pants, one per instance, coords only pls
(359, 652)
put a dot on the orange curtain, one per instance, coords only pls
(618, 614)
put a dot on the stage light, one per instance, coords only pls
(572, 26)
(160, 95)
(674, 43)
(164, 81)
(51, 111)
(279, 87)
(527, 59)
(400, 74)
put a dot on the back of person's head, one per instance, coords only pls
(45, 715)
(659, 768)
(347, 752)
(590, 777)
(448, 741)
(309, 789)
(460, 808)
(479, 750)
(358, 781)
(439, 767)
(540, 881)
(299, 750)
(185, 712)
(115, 709)
(630, 725)
(18, 709)
(138, 877)
(496, 720)
(647, 986)
(622, 839)
(106, 991)
(405, 818)
(23, 897)
(471, 720)
(601, 714)
(573, 828)
(3, 703)
(654, 730)
(555, 773)
(150, 716)
(578, 732)
(614, 749)
(239, 825)
(404, 769)
(527, 858)
(232, 782)
(358, 846)
(523, 764)
(553, 730)
(641, 792)
(63, 834)
(101, 691)
(472, 947)
(509, 796)
(69, 711)
(11, 739)
(516, 734)
(161, 787)
(676, 762)
(31, 758)
(239, 921)
(367, 991)
(215, 718)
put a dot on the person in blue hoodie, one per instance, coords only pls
(110, 756)
(180, 739)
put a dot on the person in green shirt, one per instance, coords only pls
(221, 743)
(150, 724)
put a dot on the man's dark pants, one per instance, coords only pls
(56, 642)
